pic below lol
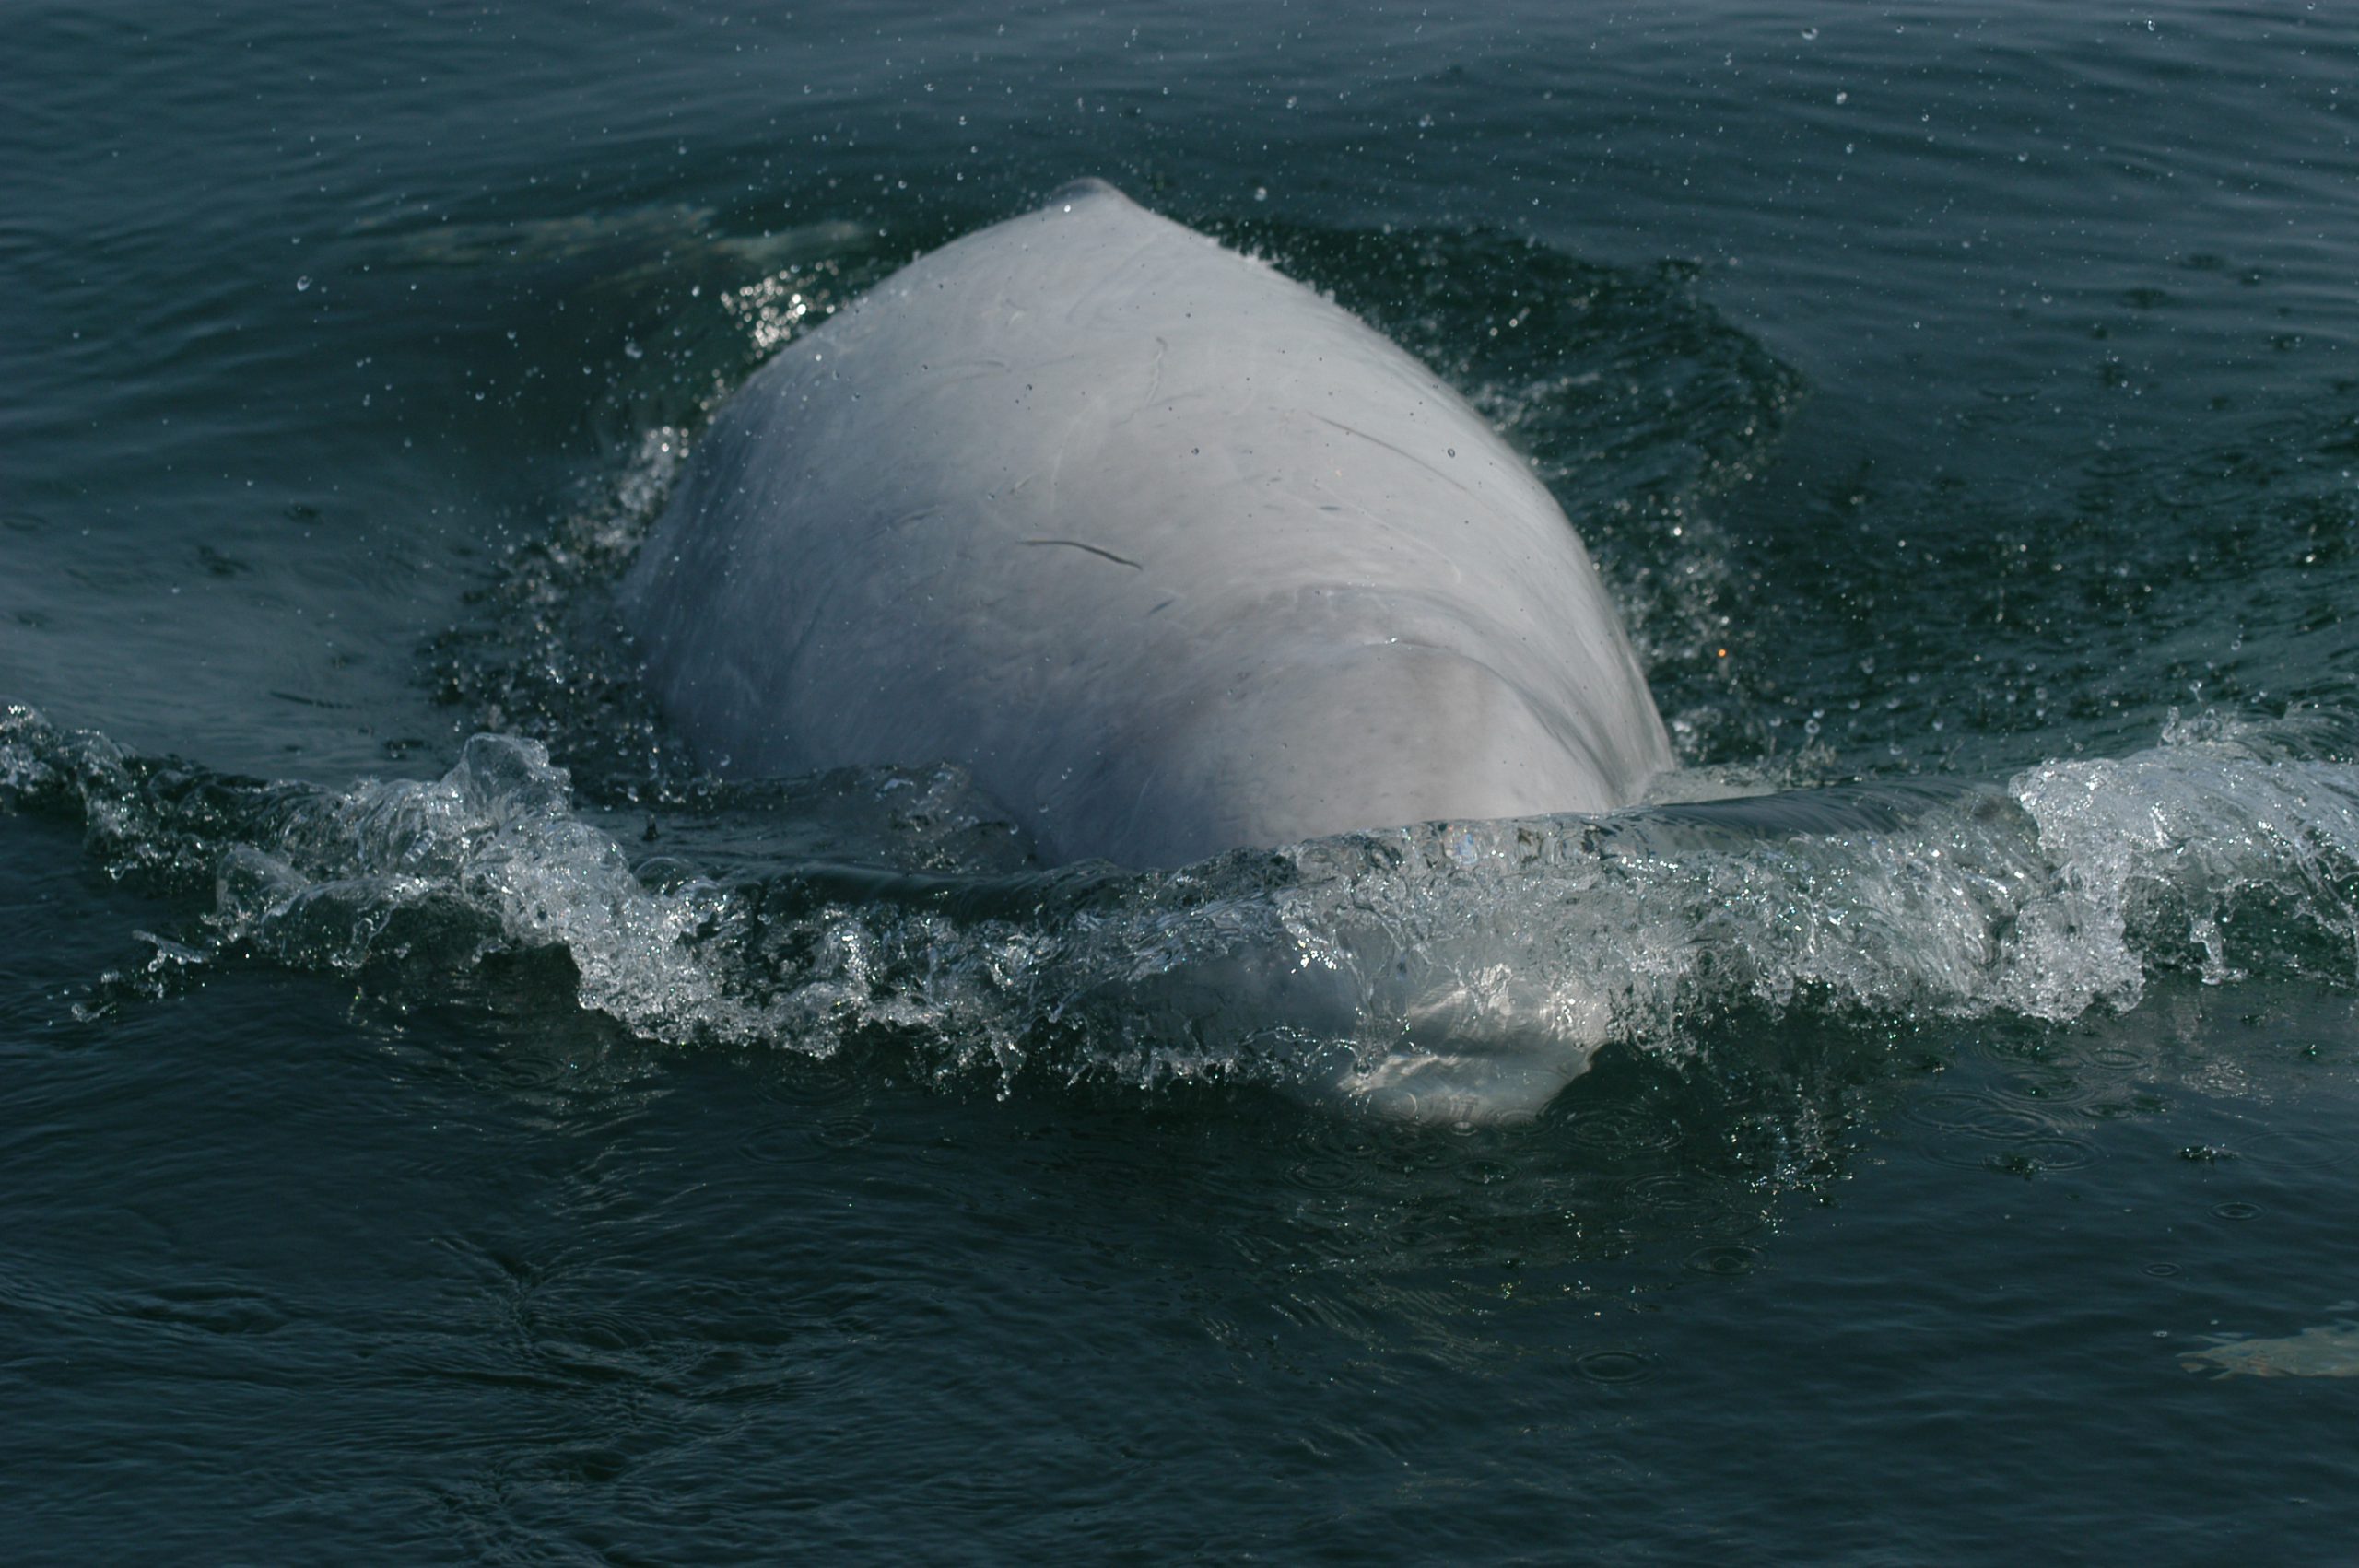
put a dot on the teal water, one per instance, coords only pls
(404, 1154)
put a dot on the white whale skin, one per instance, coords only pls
(1171, 552)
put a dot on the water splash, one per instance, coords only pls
(1445, 971)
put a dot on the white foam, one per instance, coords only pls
(1468, 968)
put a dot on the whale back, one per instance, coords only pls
(1171, 552)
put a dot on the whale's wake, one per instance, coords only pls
(2229, 849)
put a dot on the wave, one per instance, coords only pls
(1448, 971)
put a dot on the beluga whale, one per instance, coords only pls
(1171, 552)
(1174, 555)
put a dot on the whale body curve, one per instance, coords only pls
(1173, 554)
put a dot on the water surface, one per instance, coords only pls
(406, 1153)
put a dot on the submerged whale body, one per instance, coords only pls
(1173, 555)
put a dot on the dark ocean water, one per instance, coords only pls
(525, 1149)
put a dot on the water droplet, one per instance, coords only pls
(1726, 1261)
(844, 1133)
(1614, 1366)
